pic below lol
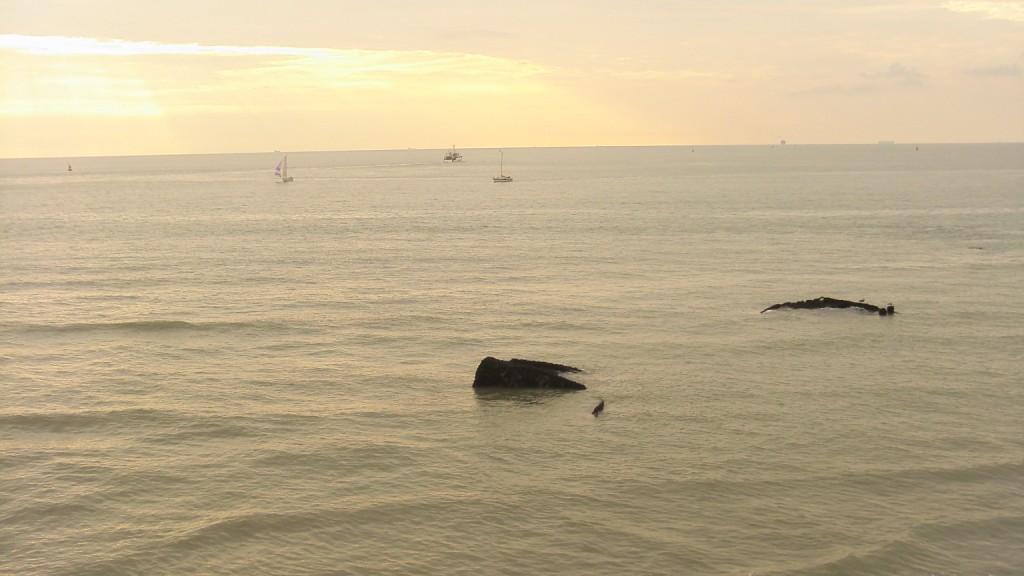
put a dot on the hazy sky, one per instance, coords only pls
(99, 77)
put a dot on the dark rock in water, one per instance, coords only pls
(546, 365)
(824, 302)
(599, 408)
(518, 373)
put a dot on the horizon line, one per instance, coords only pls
(781, 144)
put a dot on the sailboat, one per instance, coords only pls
(501, 170)
(282, 170)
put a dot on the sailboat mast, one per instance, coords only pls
(501, 169)
(282, 170)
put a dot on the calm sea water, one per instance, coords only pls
(205, 371)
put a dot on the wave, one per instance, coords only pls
(939, 477)
(152, 426)
(154, 326)
(982, 545)
(61, 422)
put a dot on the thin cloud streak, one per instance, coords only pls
(425, 62)
(112, 77)
(898, 73)
(73, 46)
(1012, 11)
(1012, 71)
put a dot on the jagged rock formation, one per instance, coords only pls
(825, 302)
(518, 373)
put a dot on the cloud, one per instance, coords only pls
(1012, 70)
(897, 73)
(666, 75)
(327, 62)
(119, 77)
(72, 46)
(835, 89)
(1012, 11)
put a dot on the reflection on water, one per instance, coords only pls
(491, 397)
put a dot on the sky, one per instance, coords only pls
(119, 77)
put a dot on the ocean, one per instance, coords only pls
(208, 371)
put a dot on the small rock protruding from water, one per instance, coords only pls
(516, 373)
(825, 302)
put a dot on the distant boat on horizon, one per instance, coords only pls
(69, 167)
(453, 156)
(501, 170)
(282, 170)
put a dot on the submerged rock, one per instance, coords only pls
(518, 373)
(825, 302)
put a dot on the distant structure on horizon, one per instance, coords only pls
(453, 156)
(782, 141)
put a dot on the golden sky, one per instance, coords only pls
(103, 77)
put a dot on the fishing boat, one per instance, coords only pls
(453, 156)
(501, 170)
(282, 170)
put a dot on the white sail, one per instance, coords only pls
(282, 170)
